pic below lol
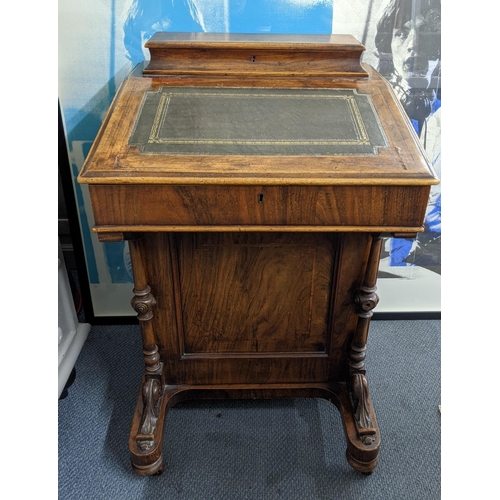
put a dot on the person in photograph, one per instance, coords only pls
(408, 47)
(408, 44)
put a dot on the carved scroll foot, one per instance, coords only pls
(145, 441)
(146, 435)
(361, 429)
(363, 442)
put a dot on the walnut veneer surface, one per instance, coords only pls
(254, 177)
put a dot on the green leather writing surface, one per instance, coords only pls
(257, 121)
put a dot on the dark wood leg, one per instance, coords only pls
(361, 448)
(146, 433)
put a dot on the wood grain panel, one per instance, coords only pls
(255, 292)
(154, 205)
(181, 339)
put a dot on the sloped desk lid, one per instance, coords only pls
(257, 129)
(186, 120)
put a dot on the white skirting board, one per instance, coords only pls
(71, 333)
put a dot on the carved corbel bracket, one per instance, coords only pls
(151, 396)
(362, 408)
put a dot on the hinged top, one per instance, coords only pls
(256, 110)
(164, 39)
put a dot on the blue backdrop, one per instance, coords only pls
(100, 43)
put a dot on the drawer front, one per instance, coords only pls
(314, 206)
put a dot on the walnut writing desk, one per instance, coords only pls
(254, 177)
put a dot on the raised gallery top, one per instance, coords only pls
(254, 54)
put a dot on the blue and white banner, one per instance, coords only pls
(100, 43)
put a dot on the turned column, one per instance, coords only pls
(366, 300)
(144, 303)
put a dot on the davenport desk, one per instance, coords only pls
(254, 177)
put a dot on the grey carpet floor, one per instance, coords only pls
(286, 449)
